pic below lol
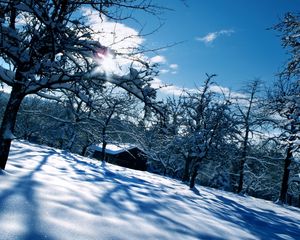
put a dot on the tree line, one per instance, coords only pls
(245, 143)
(235, 143)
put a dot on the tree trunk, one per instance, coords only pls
(193, 177)
(286, 173)
(84, 150)
(186, 173)
(241, 173)
(8, 123)
(103, 154)
(253, 88)
(71, 141)
(243, 158)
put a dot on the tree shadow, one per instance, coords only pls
(131, 189)
(24, 190)
(100, 191)
(262, 223)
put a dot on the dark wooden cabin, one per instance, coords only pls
(122, 155)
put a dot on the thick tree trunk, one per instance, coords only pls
(287, 163)
(194, 176)
(186, 172)
(286, 173)
(8, 123)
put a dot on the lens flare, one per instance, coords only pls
(106, 61)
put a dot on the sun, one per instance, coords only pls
(106, 61)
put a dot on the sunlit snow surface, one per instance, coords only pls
(51, 194)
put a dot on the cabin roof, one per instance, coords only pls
(113, 149)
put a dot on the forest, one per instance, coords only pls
(245, 142)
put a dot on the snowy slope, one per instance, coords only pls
(51, 194)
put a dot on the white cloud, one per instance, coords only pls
(156, 83)
(210, 37)
(163, 71)
(121, 40)
(174, 66)
(116, 36)
(158, 59)
(177, 90)
(226, 91)
(167, 89)
(172, 90)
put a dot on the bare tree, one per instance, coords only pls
(206, 119)
(285, 103)
(285, 96)
(197, 107)
(49, 46)
(250, 119)
(162, 141)
(290, 38)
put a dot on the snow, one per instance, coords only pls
(6, 75)
(52, 194)
(113, 149)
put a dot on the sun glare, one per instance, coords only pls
(106, 61)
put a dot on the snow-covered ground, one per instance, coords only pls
(51, 194)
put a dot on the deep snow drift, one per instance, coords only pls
(52, 194)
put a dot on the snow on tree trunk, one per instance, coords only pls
(8, 123)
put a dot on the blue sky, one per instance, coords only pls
(229, 38)
(242, 47)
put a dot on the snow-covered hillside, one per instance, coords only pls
(51, 194)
